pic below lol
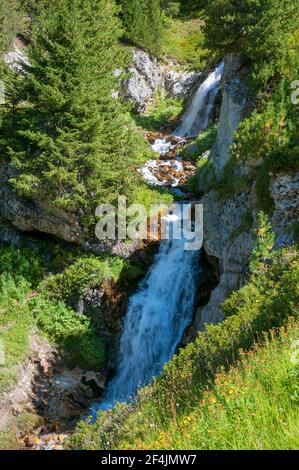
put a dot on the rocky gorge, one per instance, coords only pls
(64, 394)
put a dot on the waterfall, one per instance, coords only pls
(158, 313)
(198, 115)
(162, 308)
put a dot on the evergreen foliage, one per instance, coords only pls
(266, 31)
(142, 21)
(69, 138)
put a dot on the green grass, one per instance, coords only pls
(205, 178)
(254, 406)
(184, 41)
(203, 142)
(160, 113)
(15, 322)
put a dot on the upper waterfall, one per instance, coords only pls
(198, 115)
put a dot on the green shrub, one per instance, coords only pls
(160, 113)
(85, 273)
(263, 248)
(21, 262)
(73, 333)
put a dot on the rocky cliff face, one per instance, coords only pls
(229, 238)
(284, 189)
(33, 216)
(147, 75)
(227, 233)
(235, 104)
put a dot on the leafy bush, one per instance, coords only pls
(72, 332)
(21, 262)
(85, 273)
(161, 112)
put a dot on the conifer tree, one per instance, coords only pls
(68, 137)
(261, 29)
(142, 21)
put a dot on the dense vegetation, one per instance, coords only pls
(66, 134)
(267, 33)
(142, 21)
(39, 290)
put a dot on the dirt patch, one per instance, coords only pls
(47, 389)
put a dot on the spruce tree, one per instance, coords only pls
(142, 21)
(261, 29)
(68, 137)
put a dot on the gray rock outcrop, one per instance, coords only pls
(227, 235)
(180, 84)
(147, 75)
(235, 105)
(222, 240)
(34, 216)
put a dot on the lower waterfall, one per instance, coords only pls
(158, 313)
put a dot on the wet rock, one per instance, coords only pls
(180, 84)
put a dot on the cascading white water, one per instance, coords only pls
(198, 115)
(162, 146)
(158, 313)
